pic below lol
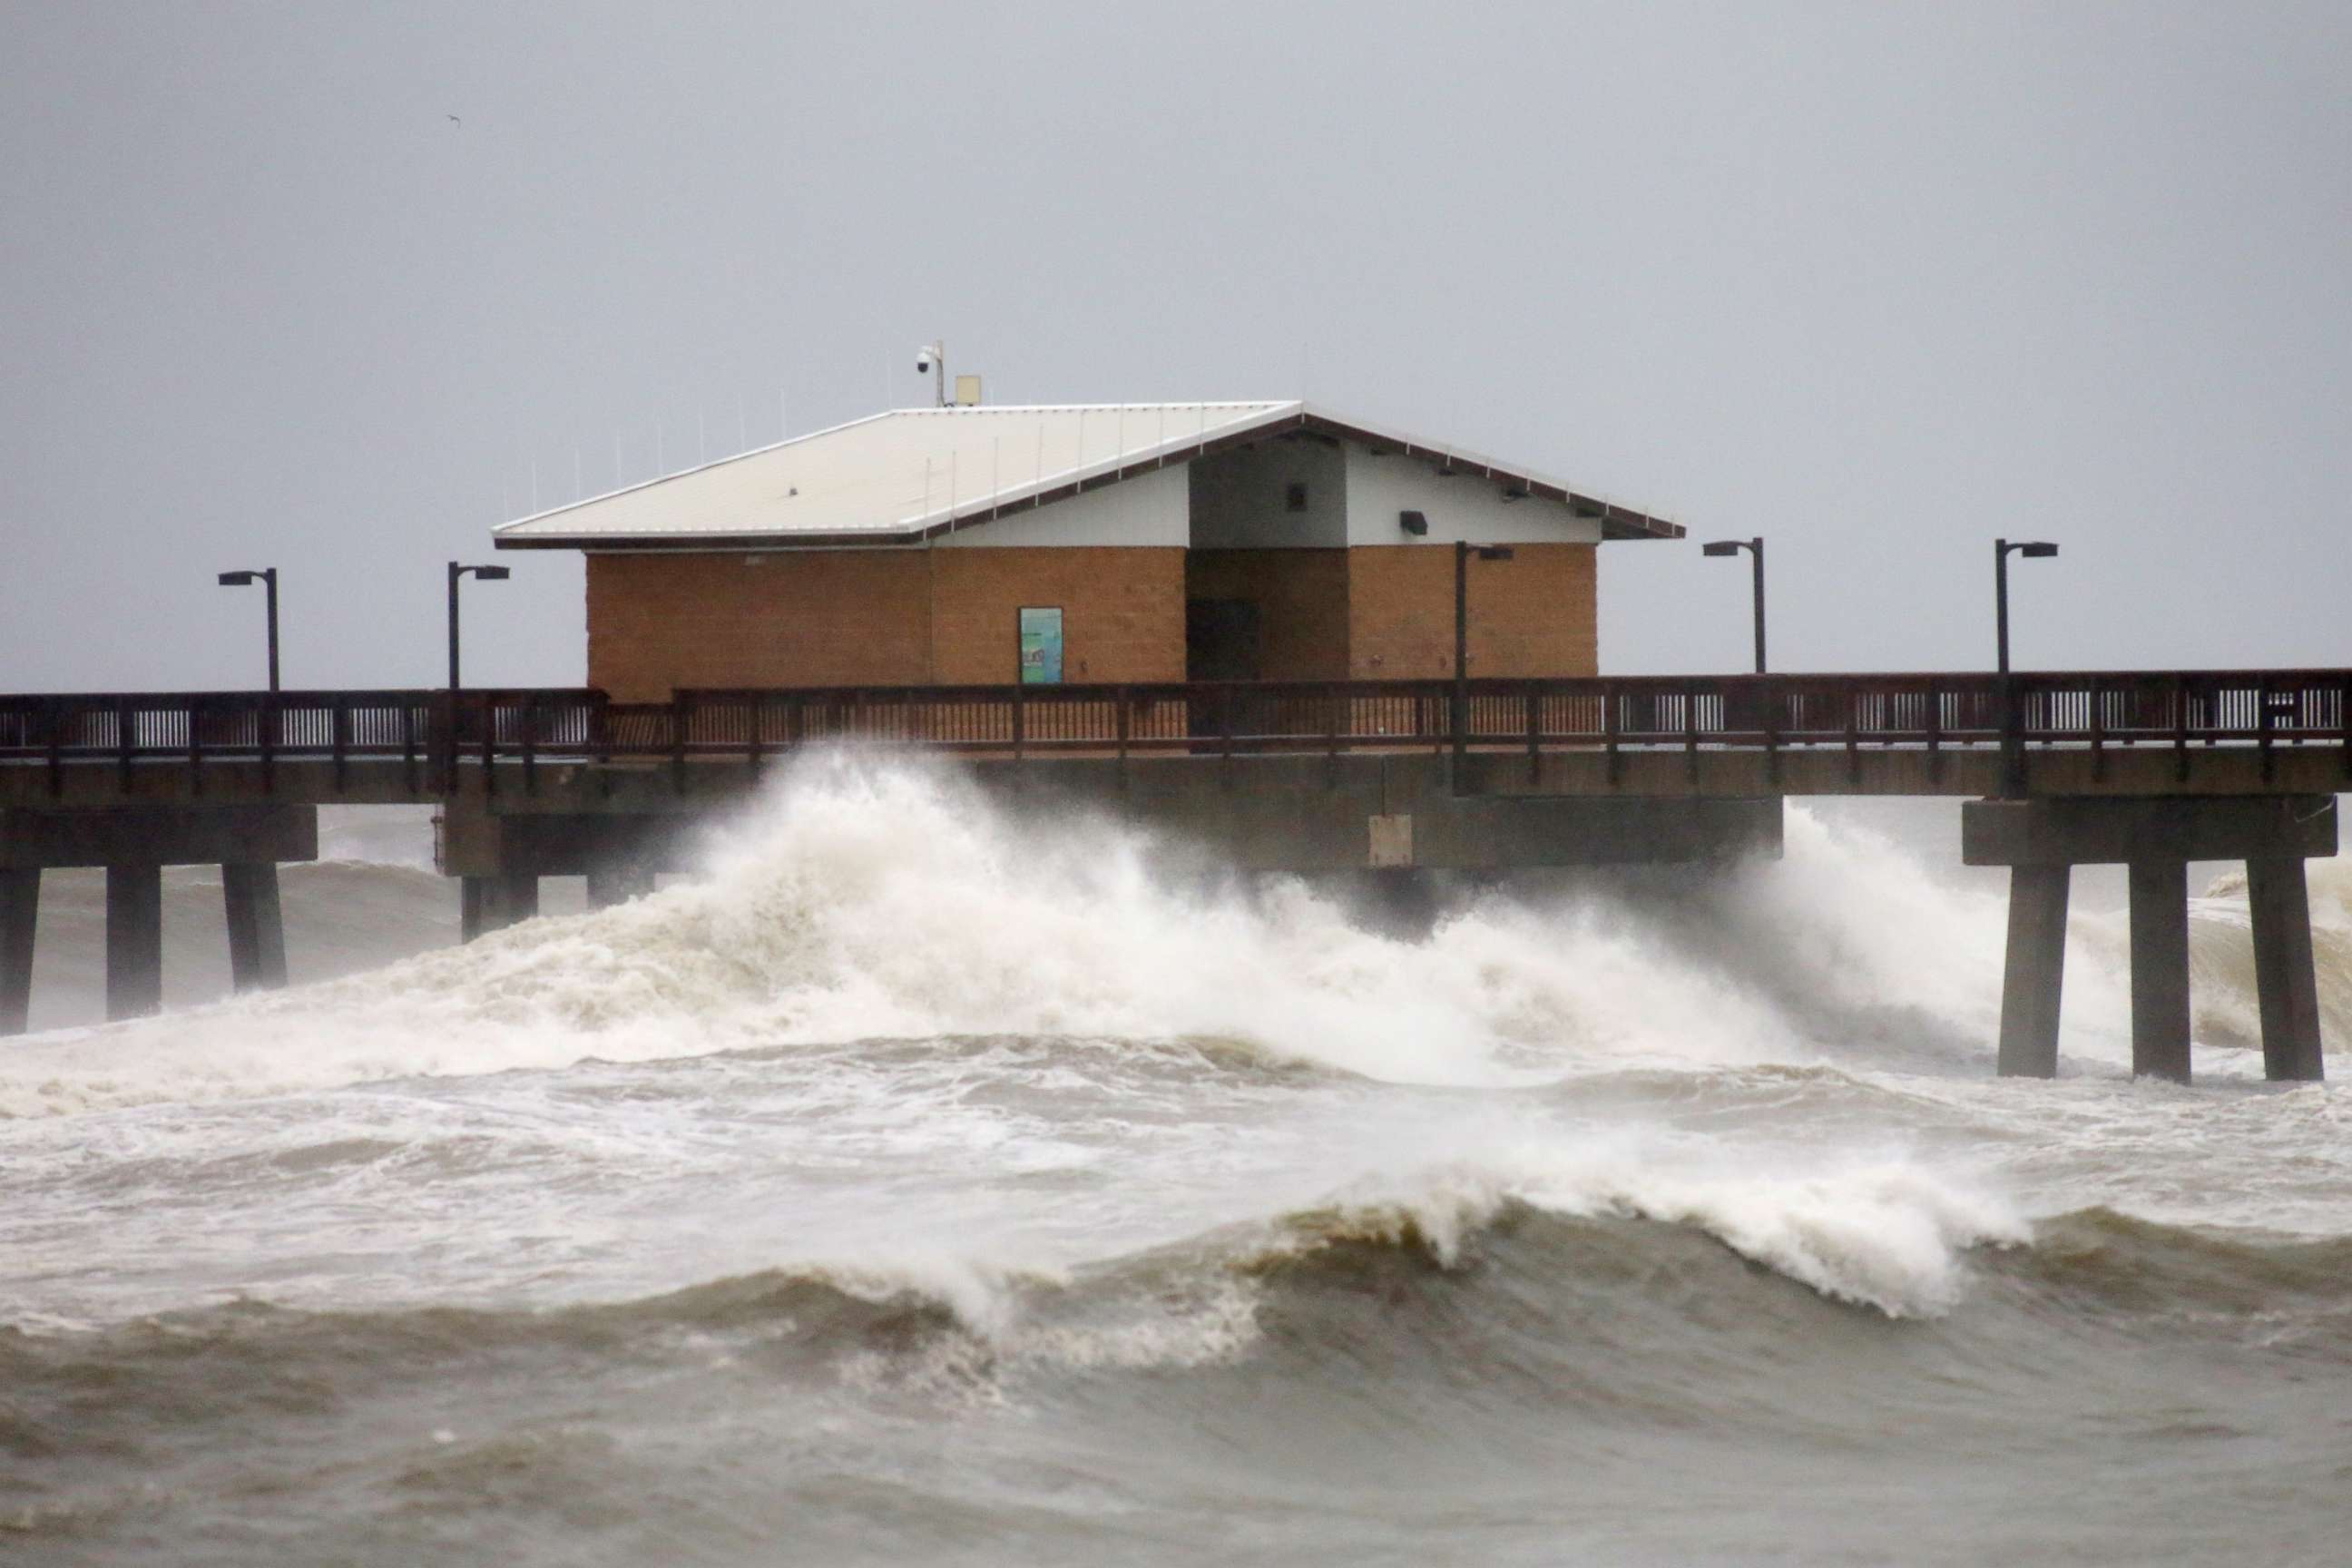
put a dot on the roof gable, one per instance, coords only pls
(913, 474)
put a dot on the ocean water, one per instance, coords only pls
(919, 1183)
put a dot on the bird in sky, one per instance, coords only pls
(455, 121)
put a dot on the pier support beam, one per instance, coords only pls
(491, 903)
(20, 909)
(134, 843)
(134, 941)
(256, 925)
(2156, 836)
(2160, 968)
(2284, 975)
(2035, 973)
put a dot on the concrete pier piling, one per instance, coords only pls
(134, 941)
(256, 925)
(496, 901)
(2157, 837)
(2283, 973)
(20, 909)
(2159, 969)
(2032, 979)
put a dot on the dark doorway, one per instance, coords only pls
(1220, 643)
(1221, 639)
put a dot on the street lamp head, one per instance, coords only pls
(2037, 550)
(1493, 553)
(493, 573)
(1720, 547)
(240, 579)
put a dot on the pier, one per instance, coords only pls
(2148, 770)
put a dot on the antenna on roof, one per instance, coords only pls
(931, 360)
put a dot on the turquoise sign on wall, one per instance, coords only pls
(1041, 646)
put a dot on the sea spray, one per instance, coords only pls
(862, 898)
(865, 898)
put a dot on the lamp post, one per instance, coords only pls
(1755, 547)
(268, 577)
(487, 574)
(2035, 550)
(1463, 551)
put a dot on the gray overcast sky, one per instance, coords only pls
(1878, 282)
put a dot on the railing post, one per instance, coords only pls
(2262, 722)
(529, 744)
(341, 718)
(2098, 736)
(755, 709)
(597, 740)
(126, 720)
(1123, 721)
(195, 747)
(1534, 699)
(2180, 729)
(1690, 731)
(1853, 733)
(1768, 701)
(680, 710)
(2012, 740)
(53, 722)
(489, 710)
(441, 738)
(1334, 701)
(1934, 733)
(1020, 718)
(265, 726)
(1460, 728)
(1609, 727)
(2343, 725)
(408, 744)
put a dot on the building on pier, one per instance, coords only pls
(1135, 542)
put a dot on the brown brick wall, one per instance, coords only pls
(1532, 614)
(948, 617)
(1122, 611)
(877, 617)
(848, 618)
(1302, 599)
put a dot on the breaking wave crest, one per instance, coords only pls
(1628, 1298)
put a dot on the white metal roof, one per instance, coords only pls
(910, 474)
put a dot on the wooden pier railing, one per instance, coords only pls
(433, 736)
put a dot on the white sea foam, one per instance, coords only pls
(861, 900)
